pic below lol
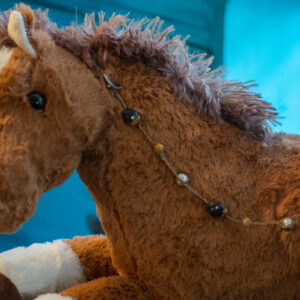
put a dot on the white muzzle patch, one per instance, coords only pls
(5, 54)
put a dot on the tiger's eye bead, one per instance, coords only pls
(131, 117)
(182, 179)
(217, 209)
(246, 222)
(159, 148)
(287, 224)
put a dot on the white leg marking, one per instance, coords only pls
(42, 268)
(53, 297)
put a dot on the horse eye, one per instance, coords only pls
(37, 100)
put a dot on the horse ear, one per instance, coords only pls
(17, 29)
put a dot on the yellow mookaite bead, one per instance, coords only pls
(159, 148)
(246, 222)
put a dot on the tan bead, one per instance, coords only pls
(159, 148)
(287, 224)
(246, 222)
(182, 179)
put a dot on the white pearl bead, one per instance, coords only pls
(287, 224)
(182, 179)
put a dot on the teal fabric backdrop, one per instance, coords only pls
(262, 42)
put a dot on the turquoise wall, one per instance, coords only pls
(262, 43)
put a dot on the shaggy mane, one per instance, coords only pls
(191, 75)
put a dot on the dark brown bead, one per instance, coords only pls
(131, 117)
(216, 209)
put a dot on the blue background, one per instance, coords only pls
(261, 42)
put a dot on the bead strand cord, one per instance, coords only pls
(215, 209)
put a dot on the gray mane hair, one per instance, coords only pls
(193, 80)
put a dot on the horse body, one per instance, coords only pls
(163, 243)
(170, 240)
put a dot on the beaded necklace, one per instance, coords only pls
(215, 209)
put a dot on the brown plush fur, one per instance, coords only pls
(8, 290)
(111, 288)
(94, 254)
(163, 244)
(143, 41)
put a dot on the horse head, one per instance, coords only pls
(44, 125)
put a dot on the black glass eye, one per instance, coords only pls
(37, 100)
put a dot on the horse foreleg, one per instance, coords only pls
(105, 288)
(94, 255)
(53, 267)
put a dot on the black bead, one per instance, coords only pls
(131, 117)
(216, 209)
(37, 100)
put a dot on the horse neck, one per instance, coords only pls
(225, 163)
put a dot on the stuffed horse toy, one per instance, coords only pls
(198, 198)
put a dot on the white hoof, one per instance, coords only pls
(42, 268)
(53, 297)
